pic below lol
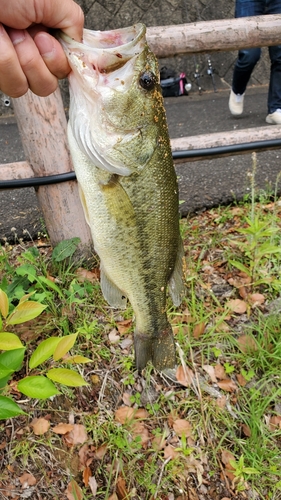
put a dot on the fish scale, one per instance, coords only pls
(119, 142)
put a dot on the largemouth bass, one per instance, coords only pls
(119, 142)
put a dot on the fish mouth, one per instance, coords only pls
(103, 67)
(104, 51)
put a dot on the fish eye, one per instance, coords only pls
(147, 80)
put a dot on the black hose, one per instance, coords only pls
(37, 181)
(187, 153)
(223, 150)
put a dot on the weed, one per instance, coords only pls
(232, 403)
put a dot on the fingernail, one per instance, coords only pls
(17, 36)
(45, 45)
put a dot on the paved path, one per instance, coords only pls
(203, 184)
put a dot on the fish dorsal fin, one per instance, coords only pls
(111, 292)
(176, 283)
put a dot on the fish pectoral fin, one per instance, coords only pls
(136, 151)
(111, 292)
(84, 204)
(176, 282)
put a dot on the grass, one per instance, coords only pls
(212, 432)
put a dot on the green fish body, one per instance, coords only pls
(119, 142)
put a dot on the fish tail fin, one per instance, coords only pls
(143, 349)
(164, 353)
(159, 349)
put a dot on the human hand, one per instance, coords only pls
(31, 58)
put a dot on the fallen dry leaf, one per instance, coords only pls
(85, 275)
(158, 443)
(83, 455)
(124, 326)
(27, 480)
(227, 385)
(141, 431)
(226, 456)
(126, 343)
(62, 428)
(113, 497)
(172, 416)
(141, 413)
(220, 371)
(73, 491)
(198, 330)
(113, 336)
(275, 422)
(241, 380)
(244, 278)
(237, 306)
(77, 435)
(100, 452)
(40, 426)
(211, 372)
(126, 414)
(243, 292)
(247, 343)
(236, 211)
(121, 490)
(183, 329)
(127, 399)
(221, 402)
(93, 485)
(246, 430)
(170, 452)
(184, 376)
(256, 299)
(86, 475)
(182, 427)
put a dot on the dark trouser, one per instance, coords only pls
(248, 58)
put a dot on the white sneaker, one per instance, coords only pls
(274, 118)
(236, 103)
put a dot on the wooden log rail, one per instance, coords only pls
(215, 36)
(42, 122)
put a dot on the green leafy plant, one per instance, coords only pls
(257, 248)
(240, 471)
(65, 249)
(35, 386)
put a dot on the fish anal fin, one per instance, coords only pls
(111, 292)
(176, 282)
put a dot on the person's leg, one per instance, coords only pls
(247, 58)
(274, 91)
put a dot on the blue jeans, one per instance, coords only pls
(248, 58)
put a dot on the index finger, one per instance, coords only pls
(66, 15)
